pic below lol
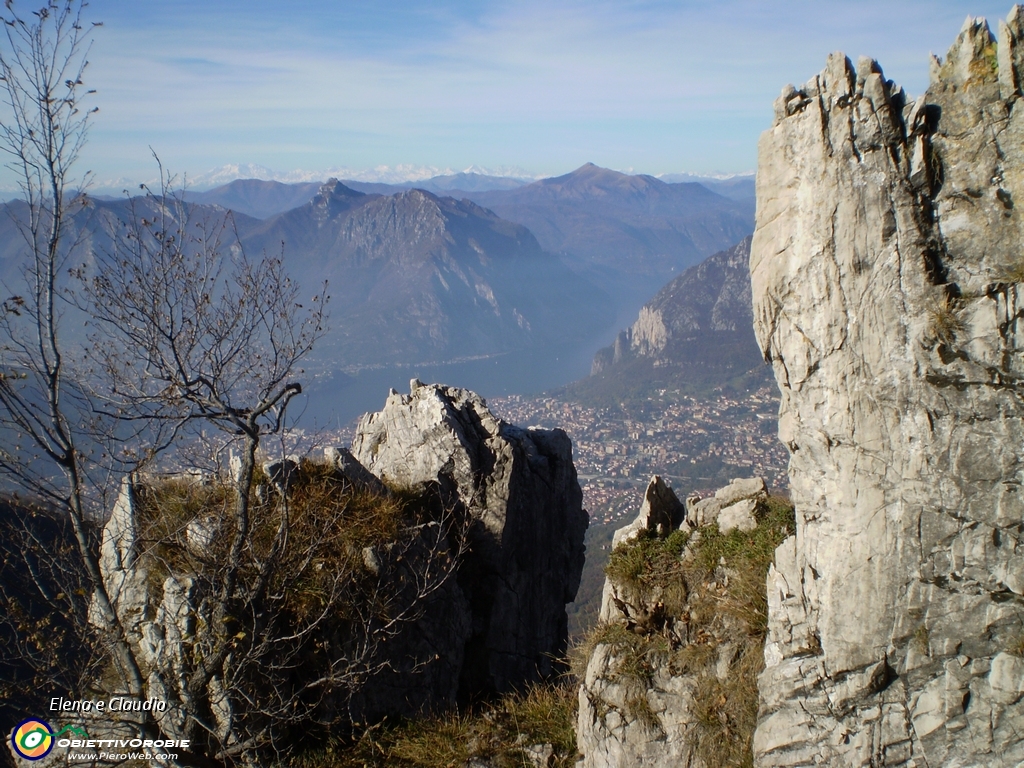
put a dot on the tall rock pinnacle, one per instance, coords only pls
(886, 266)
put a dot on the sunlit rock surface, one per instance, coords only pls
(886, 271)
(520, 490)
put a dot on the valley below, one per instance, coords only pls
(696, 443)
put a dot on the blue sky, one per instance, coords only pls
(544, 86)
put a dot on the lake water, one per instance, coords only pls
(334, 401)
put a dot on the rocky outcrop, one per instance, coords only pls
(160, 589)
(670, 679)
(661, 512)
(886, 269)
(694, 336)
(711, 299)
(731, 507)
(463, 595)
(157, 614)
(519, 489)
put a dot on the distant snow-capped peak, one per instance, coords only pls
(386, 174)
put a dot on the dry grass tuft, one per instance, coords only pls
(921, 641)
(1015, 647)
(497, 732)
(726, 712)
(946, 322)
(651, 567)
(328, 522)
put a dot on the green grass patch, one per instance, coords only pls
(746, 555)
(726, 712)
(712, 587)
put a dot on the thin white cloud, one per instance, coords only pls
(660, 86)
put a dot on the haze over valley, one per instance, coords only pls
(453, 284)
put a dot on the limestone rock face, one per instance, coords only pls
(886, 272)
(343, 460)
(660, 512)
(608, 734)
(731, 507)
(711, 299)
(160, 627)
(119, 551)
(520, 490)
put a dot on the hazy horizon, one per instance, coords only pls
(396, 175)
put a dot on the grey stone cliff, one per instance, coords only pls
(520, 490)
(886, 269)
(707, 300)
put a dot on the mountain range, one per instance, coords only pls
(264, 199)
(737, 187)
(626, 233)
(413, 277)
(417, 277)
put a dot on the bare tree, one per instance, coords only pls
(293, 597)
(43, 126)
(190, 330)
(298, 583)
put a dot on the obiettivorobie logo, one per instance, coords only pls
(34, 738)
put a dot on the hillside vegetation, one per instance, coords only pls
(516, 730)
(690, 625)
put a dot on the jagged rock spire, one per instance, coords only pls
(886, 265)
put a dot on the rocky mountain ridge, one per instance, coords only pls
(413, 277)
(629, 233)
(264, 199)
(417, 277)
(710, 298)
